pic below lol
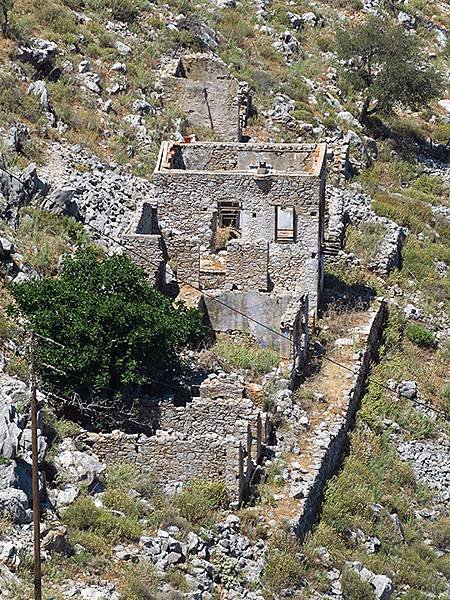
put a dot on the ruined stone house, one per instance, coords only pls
(200, 86)
(242, 224)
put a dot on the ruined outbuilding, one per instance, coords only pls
(242, 226)
(201, 86)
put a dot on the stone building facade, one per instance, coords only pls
(243, 225)
(201, 86)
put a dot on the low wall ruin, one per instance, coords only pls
(203, 439)
(331, 455)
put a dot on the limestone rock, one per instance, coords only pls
(14, 506)
(40, 53)
(61, 202)
(75, 466)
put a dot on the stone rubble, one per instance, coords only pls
(430, 461)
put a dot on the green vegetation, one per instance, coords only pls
(284, 568)
(83, 515)
(356, 588)
(199, 499)
(364, 240)
(419, 335)
(385, 78)
(115, 330)
(44, 238)
(373, 474)
(245, 355)
(121, 10)
(5, 8)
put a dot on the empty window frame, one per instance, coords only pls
(230, 215)
(285, 224)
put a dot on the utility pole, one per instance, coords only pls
(35, 474)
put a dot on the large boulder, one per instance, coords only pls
(40, 53)
(61, 202)
(14, 506)
(75, 466)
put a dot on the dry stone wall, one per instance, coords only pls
(199, 440)
(147, 252)
(330, 455)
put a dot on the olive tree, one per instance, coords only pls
(384, 65)
(113, 331)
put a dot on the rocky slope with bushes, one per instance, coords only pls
(83, 113)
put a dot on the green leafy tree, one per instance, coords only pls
(117, 333)
(384, 64)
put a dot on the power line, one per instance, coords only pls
(267, 327)
(237, 311)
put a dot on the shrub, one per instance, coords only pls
(94, 543)
(200, 498)
(121, 475)
(118, 528)
(17, 366)
(124, 475)
(356, 588)
(141, 582)
(419, 335)
(115, 499)
(116, 330)
(442, 133)
(44, 238)
(84, 515)
(365, 240)
(245, 355)
(122, 10)
(283, 568)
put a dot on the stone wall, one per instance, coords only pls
(199, 440)
(171, 457)
(147, 252)
(188, 202)
(233, 267)
(201, 86)
(267, 309)
(184, 257)
(292, 158)
(331, 455)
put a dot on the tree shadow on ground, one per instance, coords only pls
(407, 141)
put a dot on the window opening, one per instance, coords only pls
(228, 223)
(230, 215)
(284, 224)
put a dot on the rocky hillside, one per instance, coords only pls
(84, 104)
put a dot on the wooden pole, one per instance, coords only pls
(35, 475)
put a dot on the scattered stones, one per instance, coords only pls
(407, 20)
(382, 585)
(123, 48)
(288, 45)
(89, 80)
(408, 389)
(430, 462)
